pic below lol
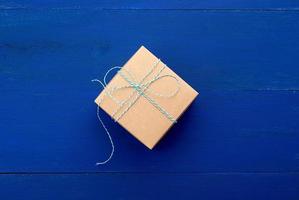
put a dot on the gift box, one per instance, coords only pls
(145, 97)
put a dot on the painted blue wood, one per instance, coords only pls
(212, 50)
(151, 4)
(151, 186)
(48, 118)
(222, 131)
(239, 140)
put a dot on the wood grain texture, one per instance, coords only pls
(222, 131)
(150, 186)
(213, 50)
(240, 138)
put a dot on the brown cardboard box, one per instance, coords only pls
(149, 109)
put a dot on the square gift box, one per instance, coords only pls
(146, 97)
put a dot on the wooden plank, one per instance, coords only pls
(222, 131)
(246, 118)
(150, 186)
(151, 4)
(212, 50)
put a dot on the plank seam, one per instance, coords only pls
(4, 8)
(152, 173)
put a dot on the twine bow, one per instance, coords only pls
(141, 88)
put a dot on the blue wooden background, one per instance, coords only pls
(238, 140)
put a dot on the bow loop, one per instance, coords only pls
(175, 86)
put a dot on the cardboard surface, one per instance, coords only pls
(143, 120)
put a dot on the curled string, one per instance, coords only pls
(100, 119)
(104, 85)
(110, 138)
(140, 89)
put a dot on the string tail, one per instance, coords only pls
(110, 138)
